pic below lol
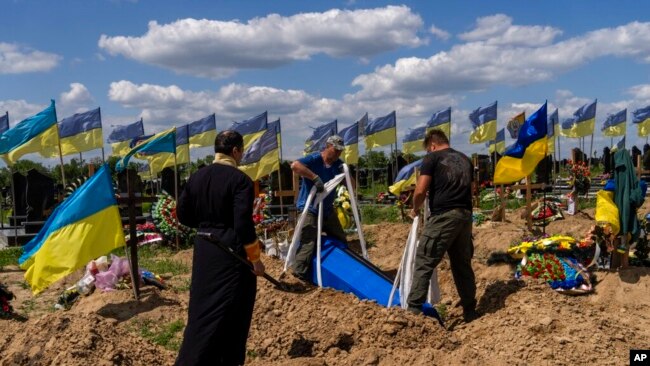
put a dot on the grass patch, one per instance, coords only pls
(442, 311)
(156, 258)
(375, 214)
(9, 256)
(168, 335)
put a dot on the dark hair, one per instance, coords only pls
(435, 135)
(228, 140)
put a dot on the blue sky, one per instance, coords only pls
(309, 62)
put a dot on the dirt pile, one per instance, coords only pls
(525, 322)
(76, 339)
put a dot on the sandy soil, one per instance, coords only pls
(525, 321)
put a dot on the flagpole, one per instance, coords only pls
(176, 194)
(60, 156)
(280, 168)
(591, 148)
(13, 199)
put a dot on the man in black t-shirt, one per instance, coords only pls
(446, 175)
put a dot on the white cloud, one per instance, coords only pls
(213, 48)
(439, 33)
(503, 54)
(77, 97)
(16, 59)
(19, 109)
(640, 92)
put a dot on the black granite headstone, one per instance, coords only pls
(40, 195)
(167, 182)
(20, 186)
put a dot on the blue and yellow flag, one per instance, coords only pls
(275, 126)
(203, 132)
(620, 145)
(484, 124)
(85, 226)
(316, 142)
(582, 123)
(263, 156)
(252, 128)
(162, 160)
(521, 159)
(442, 121)
(363, 122)
(615, 124)
(553, 130)
(515, 124)
(499, 144)
(641, 117)
(413, 140)
(350, 136)
(81, 132)
(405, 178)
(4, 123)
(37, 133)
(381, 131)
(121, 136)
(161, 142)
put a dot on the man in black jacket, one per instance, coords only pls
(219, 199)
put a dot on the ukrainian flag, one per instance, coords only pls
(350, 136)
(442, 121)
(413, 140)
(316, 142)
(641, 117)
(615, 124)
(164, 141)
(381, 131)
(619, 145)
(81, 132)
(515, 124)
(484, 124)
(582, 123)
(252, 128)
(262, 157)
(160, 161)
(203, 132)
(521, 159)
(4, 123)
(83, 227)
(363, 122)
(38, 133)
(553, 130)
(121, 137)
(275, 126)
(499, 144)
(405, 178)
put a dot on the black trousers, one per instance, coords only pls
(307, 249)
(222, 296)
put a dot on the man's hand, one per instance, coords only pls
(258, 268)
(318, 183)
(413, 213)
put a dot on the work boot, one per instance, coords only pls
(414, 310)
(471, 315)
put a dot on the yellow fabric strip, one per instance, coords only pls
(484, 133)
(46, 144)
(551, 145)
(203, 139)
(510, 169)
(73, 246)
(224, 159)
(81, 142)
(381, 138)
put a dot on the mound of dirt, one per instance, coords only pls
(76, 339)
(524, 321)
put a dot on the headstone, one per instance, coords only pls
(20, 186)
(167, 177)
(40, 195)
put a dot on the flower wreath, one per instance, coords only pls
(163, 213)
